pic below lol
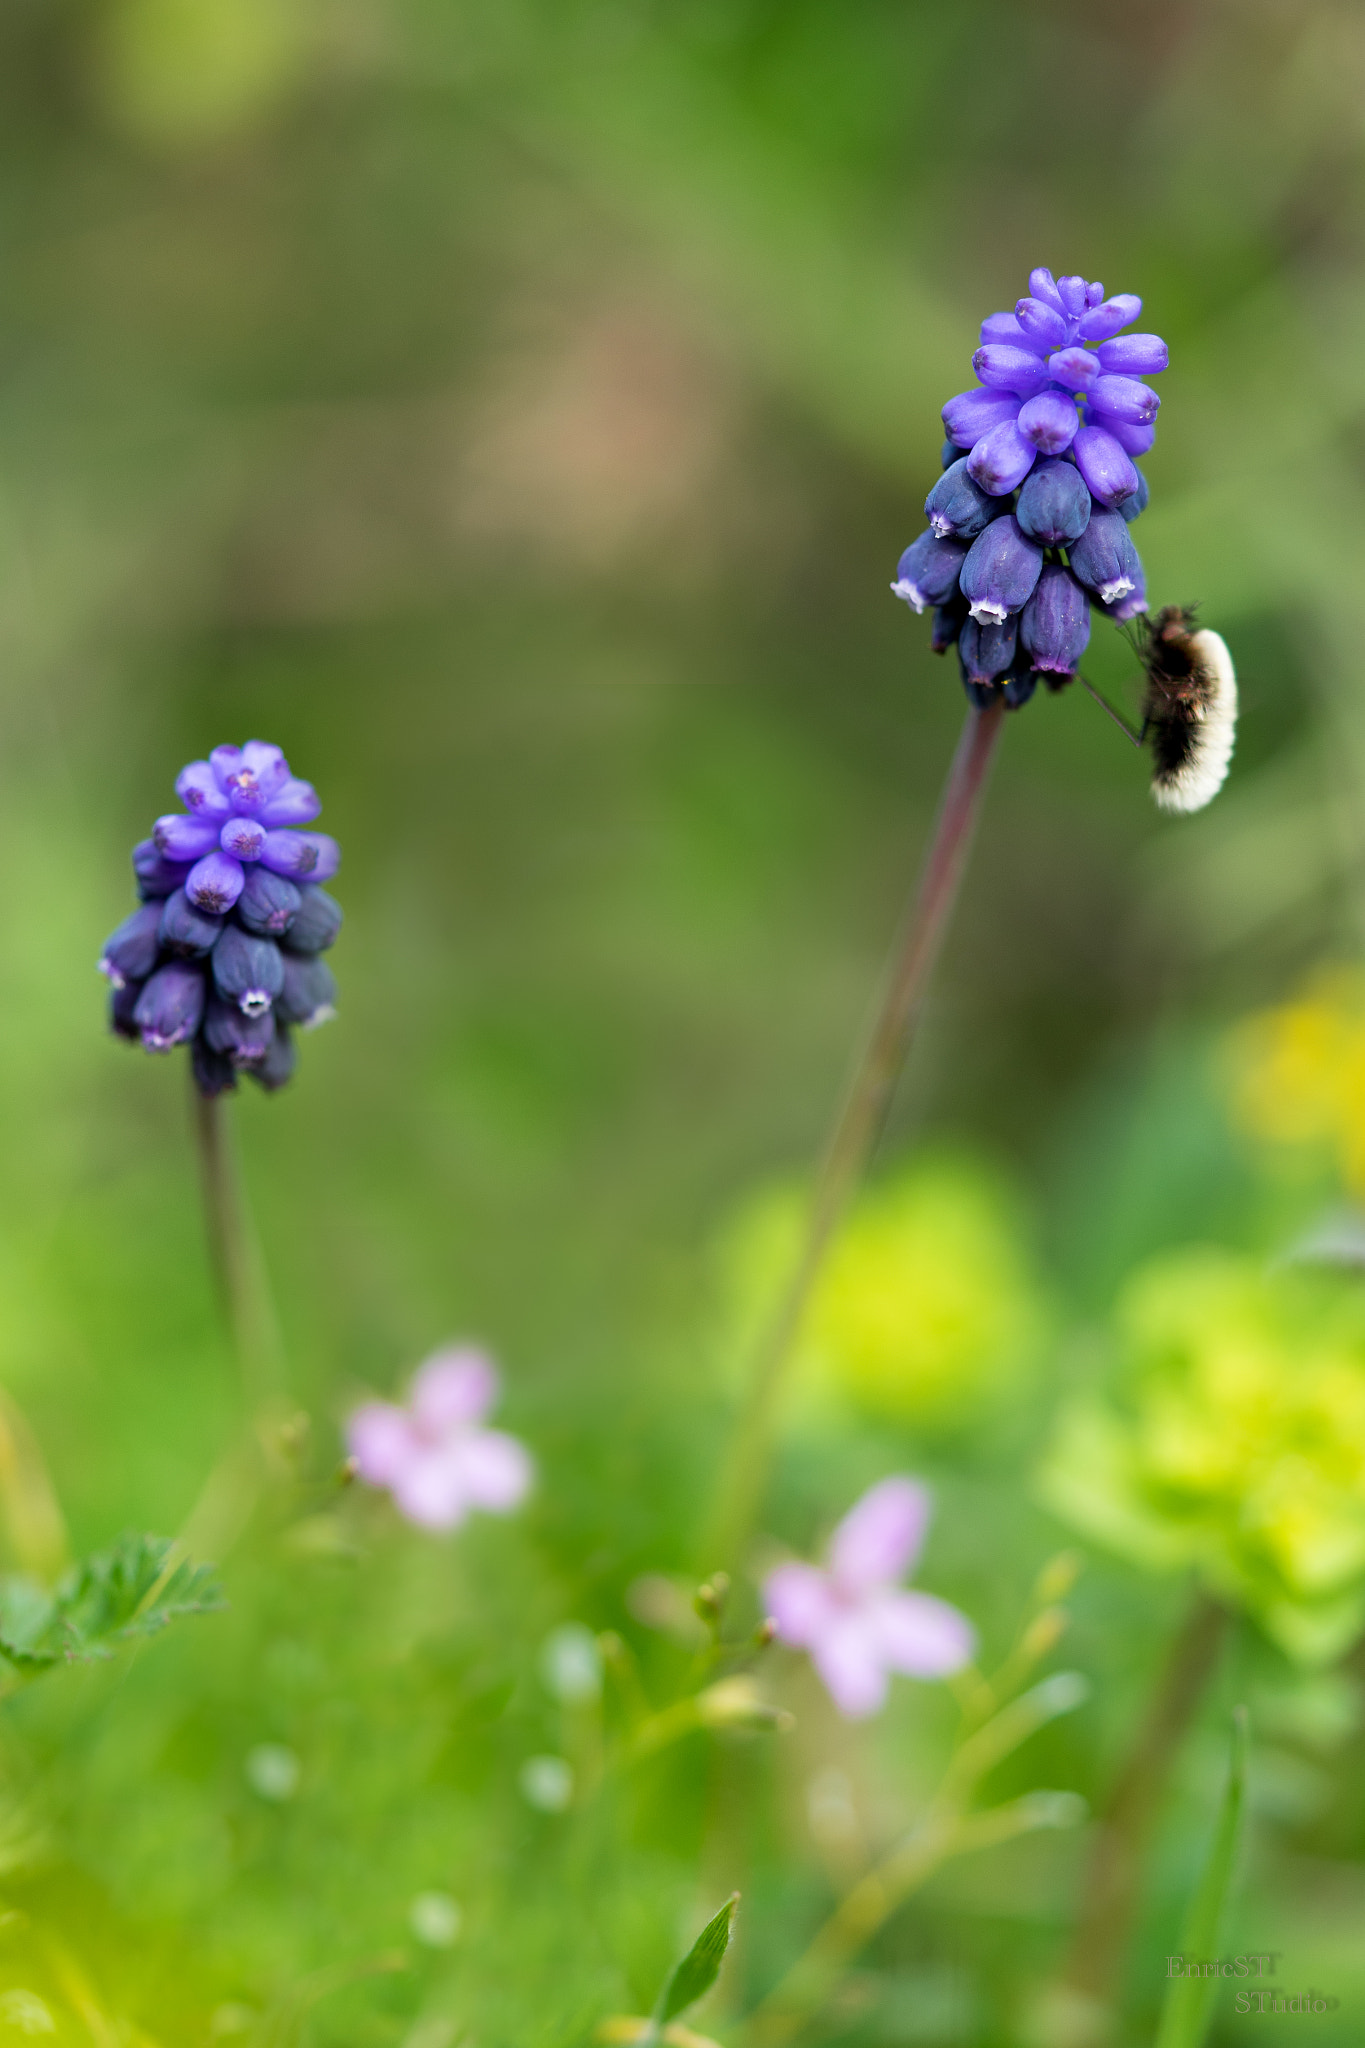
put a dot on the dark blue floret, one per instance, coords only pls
(949, 619)
(268, 904)
(241, 1039)
(247, 970)
(927, 572)
(170, 1007)
(1105, 559)
(279, 1063)
(986, 651)
(1054, 626)
(318, 921)
(309, 993)
(1054, 504)
(957, 508)
(130, 952)
(213, 1073)
(1020, 685)
(122, 1003)
(185, 928)
(1001, 569)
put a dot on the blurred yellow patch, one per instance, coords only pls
(1238, 1442)
(926, 1303)
(184, 71)
(1299, 1071)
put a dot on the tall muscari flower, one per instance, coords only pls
(1028, 525)
(225, 953)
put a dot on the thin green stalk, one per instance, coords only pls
(1188, 2010)
(949, 1828)
(857, 1127)
(235, 1253)
(229, 1495)
(1112, 1879)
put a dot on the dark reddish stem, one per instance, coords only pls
(858, 1125)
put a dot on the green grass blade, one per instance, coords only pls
(1188, 2009)
(700, 1967)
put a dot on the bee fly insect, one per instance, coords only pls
(1190, 709)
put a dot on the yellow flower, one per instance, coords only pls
(926, 1303)
(1299, 1071)
(1237, 1445)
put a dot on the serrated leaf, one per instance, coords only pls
(189, 1589)
(128, 1591)
(111, 1597)
(1188, 2008)
(25, 1614)
(700, 1967)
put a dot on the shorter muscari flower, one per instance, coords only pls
(225, 952)
(855, 1619)
(434, 1455)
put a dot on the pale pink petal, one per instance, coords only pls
(382, 1441)
(880, 1535)
(847, 1656)
(801, 1601)
(495, 1470)
(453, 1388)
(431, 1489)
(919, 1635)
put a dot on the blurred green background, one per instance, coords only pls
(516, 411)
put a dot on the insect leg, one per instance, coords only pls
(1120, 721)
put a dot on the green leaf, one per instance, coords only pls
(700, 1967)
(128, 1590)
(1188, 2010)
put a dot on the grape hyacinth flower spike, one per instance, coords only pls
(225, 953)
(1029, 532)
(434, 1456)
(858, 1623)
(1030, 528)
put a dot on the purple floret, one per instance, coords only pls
(1054, 625)
(171, 1006)
(1054, 505)
(1105, 559)
(1000, 571)
(957, 508)
(1054, 370)
(927, 573)
(987, 651)
(247, 970)
(241, 806)
(130, 952)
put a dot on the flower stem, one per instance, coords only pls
(1112, 1879)
(235, 1255)
(857, 1126)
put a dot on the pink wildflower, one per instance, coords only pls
(432, 1455)
(854, 1619)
